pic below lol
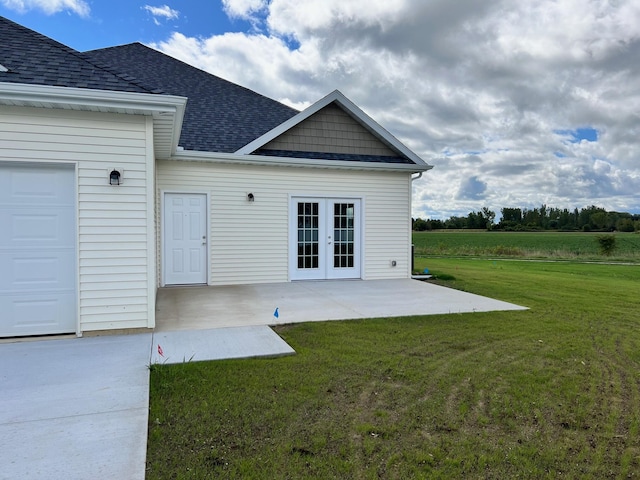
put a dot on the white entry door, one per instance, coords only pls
(325, 238)
(185, 239)
(38, 266)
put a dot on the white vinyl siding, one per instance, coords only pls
(249, 241)
(115, 275)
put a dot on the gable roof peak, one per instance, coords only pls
(336, 97)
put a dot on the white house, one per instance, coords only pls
(123, 170)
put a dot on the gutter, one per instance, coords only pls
(243, 159)
(127, 102)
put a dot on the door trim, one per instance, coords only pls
(163, 277)
(292, 256)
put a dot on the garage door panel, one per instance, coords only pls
(37, 185)
(38, 260)
(34, 271)
(45, 314)
(37, 227)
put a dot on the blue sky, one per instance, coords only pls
(516, 104)
(117, 22)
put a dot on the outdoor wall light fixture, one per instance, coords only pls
(115, 177)
(250, 197)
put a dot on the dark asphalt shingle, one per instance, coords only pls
(350, 157)
(220, 116)
(34, 59)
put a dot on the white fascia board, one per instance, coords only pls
(100, 101)
(262, 160)
(144, 103)
(336, 96)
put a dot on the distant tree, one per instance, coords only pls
(566, 219)
(489, 218)
(511, 215)
(455, 222)
(585, 217)
(553, 218)
(531, 218)
(598, 220)
(543, 217)
(436, 224)
(511, 218)
(420, 225)
(475, 220)
(625, 225)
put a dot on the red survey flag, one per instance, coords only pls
(160, 352)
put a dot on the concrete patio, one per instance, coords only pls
(196, 308)
(210, 323)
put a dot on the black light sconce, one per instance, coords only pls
(115, 177)
(250, 197)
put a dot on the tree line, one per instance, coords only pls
(586, 219)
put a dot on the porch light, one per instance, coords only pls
(250, 197)
(114, 177)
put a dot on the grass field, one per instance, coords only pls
(559, 245)
(550, 392)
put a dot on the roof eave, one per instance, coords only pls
(167, 110)
(272, 161)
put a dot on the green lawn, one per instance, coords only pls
(550, 392)
(569, 245)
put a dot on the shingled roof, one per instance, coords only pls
(31, 58)
(220, 116)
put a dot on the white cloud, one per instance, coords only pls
(163, 11)
(245, 9)
(479, 89)
(49, 7)
(304, 17)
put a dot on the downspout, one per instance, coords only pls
(410, 223)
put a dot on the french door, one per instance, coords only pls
(325, 238)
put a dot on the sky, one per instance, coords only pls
(515, 103)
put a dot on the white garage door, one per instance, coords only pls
(37, 249)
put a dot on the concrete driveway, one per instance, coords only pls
(77, 408)
(74, 408)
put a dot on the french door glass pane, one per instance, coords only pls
(308, 224)
(343, 235)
